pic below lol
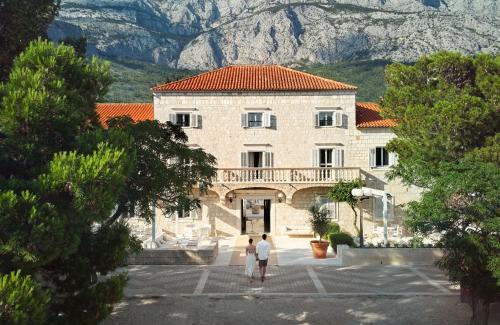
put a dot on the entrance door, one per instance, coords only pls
(255, 216)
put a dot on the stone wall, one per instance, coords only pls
(388, 256)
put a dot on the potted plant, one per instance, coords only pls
(319, 224)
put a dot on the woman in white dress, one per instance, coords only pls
(250, 264)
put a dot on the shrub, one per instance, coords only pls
(417, 242)
(22, 301)
(332, 228)
(341, 238)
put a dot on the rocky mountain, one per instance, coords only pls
(201, 34)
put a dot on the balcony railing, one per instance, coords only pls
(286, 175)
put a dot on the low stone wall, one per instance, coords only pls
(201, 255)
(390, 256)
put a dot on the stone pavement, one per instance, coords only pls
(163, 280)
(161, 294)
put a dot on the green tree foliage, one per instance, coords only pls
(166, 170)
(22, 301)
(447, 140)
(22, 21)
(63, 177)
(341, 192)
(446, 105)
(47, 102)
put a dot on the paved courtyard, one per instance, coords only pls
(290, 295)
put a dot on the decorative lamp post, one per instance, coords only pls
(361, 194)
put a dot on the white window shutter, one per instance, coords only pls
(194, 120)
(315, 157)
(316, 119)
(244, 120)
(244, 159)
(372, 158)
(269, 159)
(338, 157)
(172, 118)
(267, 120)
(393, 158)
(337, 119)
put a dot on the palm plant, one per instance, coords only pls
(319, 220)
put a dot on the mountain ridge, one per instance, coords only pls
(204, 34)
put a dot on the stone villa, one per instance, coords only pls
(282, 138)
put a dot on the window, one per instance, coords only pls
(380, 157)
(254, 120)
(255, 159)
(182, 119)
(325, 158)
(326, 119)
(329, 205)
(184, 213)
(186, 119)
(258, 120)
(328, 157)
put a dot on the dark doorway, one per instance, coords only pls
(243, 218)
(255, 216)
(267, 216)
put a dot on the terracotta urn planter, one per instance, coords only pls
(319, 248)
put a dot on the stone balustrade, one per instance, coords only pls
(286, 175)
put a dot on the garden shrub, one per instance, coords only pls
(340, 238)
(417, 242)
(332, 228)
(22, 301)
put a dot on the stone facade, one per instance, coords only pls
(292, 139)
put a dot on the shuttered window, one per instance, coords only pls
(258, 120)
(328, 119)
(380, 157)
(328, 157)
(186, 120)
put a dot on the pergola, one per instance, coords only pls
(366, 192)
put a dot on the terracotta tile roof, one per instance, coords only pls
(136, 111)
(368, 116)
(253, 78)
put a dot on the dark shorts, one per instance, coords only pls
(263, 262)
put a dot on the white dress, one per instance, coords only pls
(250, 264)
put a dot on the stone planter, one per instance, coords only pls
(201, 255)
(319, 248)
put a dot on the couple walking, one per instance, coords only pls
(257, 253)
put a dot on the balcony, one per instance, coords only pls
(286, 175)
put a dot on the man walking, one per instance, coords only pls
(263, 249)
